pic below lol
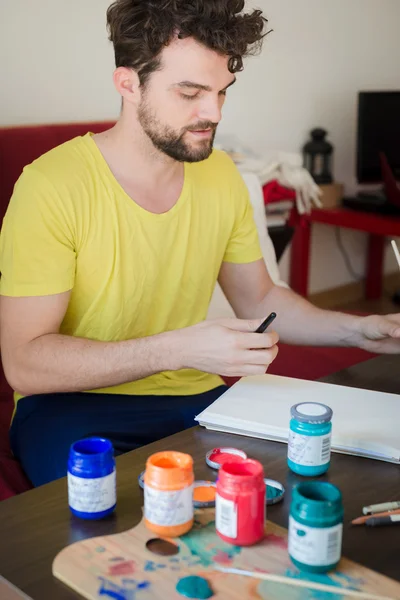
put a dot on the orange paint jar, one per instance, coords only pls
(168, 493)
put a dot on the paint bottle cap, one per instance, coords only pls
(311, 412)
(275, 491)
(141, 479)
(216, 457)
(204, 493)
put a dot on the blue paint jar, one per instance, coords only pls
(316, 526)
(92, 478)
(309, 444)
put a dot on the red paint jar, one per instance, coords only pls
(241, 503)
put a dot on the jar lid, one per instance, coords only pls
(311, 412)
(274, 491)
(216, 457)
(141, 479)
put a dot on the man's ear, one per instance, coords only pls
(127, 84)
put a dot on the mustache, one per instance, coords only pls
(202, 125)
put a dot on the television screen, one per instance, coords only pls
(378, 131)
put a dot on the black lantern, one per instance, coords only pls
(318, 154)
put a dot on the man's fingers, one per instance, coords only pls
(258, 340)
(259, 357)
(245, 325)
(263, 357)
(253, 370)
(389, 327)
(395, 325)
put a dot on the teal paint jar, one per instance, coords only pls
(309, 443)
(316, 526)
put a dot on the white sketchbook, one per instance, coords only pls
(365, 423)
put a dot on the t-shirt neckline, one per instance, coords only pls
(118, 187)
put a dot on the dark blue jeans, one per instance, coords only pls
(45, 426)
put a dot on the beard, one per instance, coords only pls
(171, 142)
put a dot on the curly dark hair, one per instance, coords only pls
(139, 29)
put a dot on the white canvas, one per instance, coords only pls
(365, 422)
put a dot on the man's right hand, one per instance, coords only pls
(226, 347)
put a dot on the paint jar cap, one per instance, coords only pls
(141, 480)
(275, 491)
(216, 457)
(311, 412)
(169, 470)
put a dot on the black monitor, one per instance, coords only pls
(378, 131)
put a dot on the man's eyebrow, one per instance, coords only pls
(200, 86)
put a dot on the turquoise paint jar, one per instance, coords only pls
(309, 443)
(316, 526)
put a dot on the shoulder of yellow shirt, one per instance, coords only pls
(74, 159)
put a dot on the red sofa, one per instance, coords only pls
(21, 145)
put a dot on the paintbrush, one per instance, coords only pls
(365, 518)
(320, 587)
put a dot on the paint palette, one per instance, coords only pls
(121, 567)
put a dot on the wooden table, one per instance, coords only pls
(35, 526)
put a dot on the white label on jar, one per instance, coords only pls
(92, 495)
(317, 547)
(226, 520)
(309, 450)
(168, 508)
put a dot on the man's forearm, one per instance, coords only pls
(59, 363)
(299, 322)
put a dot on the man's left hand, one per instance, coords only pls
(379, 334)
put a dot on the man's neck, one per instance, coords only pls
(139, 167)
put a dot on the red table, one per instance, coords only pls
(377, 226)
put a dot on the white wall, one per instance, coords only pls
(320, 54)
(57, 64)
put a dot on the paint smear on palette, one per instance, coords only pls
(116, 559)
(222, 558)
(194, 587)
(347, 581)
(190, 561)
(153, 566)
(267, 590)
(204, 543)
(335, 579)
(111, 590)
(129, 582)
(127, 592)
(277, 540)
(122, 568)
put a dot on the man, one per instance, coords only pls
(112, 245)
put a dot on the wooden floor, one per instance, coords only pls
(385, 305)
(380, 307)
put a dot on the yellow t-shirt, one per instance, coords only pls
(71, 226)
